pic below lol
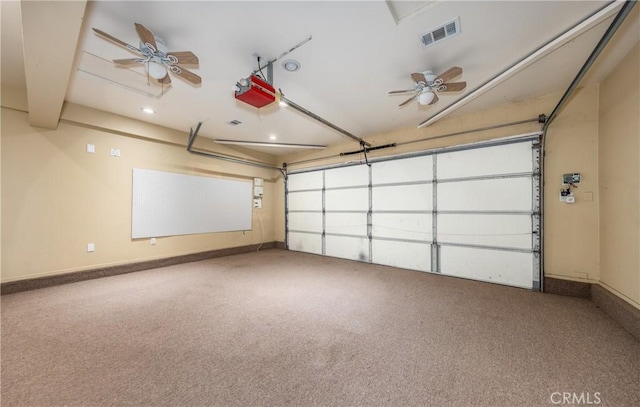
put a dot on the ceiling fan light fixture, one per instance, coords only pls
(426, 97)
(156, 71)
(291, 65)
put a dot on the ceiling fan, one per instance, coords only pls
(427, 84)
(155, 58)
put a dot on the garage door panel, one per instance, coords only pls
(305, 201)
(307, 222)
(412, 256)
(496, 266)
(307, 180)
(403, 197)
(402, 226)
(346, 223)
(305, 242)
(504, 159)
(512, 231)
(351, 248)
(501, 194)
(484, 224)
(406, 169)
(347, 199)
(347, 176)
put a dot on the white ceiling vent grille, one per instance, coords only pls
(446, 30)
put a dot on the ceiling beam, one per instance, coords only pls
(50, 31)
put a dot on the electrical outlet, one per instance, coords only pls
(115, 152)
(153, 241)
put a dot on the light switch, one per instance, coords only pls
(91, 247)
(91, 148)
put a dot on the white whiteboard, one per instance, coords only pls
(169, 204)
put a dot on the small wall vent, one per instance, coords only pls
(234, 122)
(447, 30)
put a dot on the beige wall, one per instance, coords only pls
(571, 231)
(56, 198)
(619, 165)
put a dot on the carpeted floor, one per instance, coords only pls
(278, 328)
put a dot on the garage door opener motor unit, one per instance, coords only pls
(255, 91)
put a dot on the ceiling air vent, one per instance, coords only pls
(449, 29)
(234, 122)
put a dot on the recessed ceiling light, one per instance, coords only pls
(272, 137)
(291, 65)
(148, 110)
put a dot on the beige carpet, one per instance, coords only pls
(279, 328)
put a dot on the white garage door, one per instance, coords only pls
(471, 211)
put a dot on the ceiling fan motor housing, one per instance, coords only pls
(156, 60)
(257, 93)
(430, 77)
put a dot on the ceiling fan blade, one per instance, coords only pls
(183, 57)
(411, 99)
(185, 74)
(129, 61)
(448, 75)
(117, 41)
(435, 99)
(452, 87)
(401, 92)
(146, 37)
(166, 80)
(418, 77)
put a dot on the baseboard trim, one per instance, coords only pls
(67, 278)
(621, 311)
(567, 288)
